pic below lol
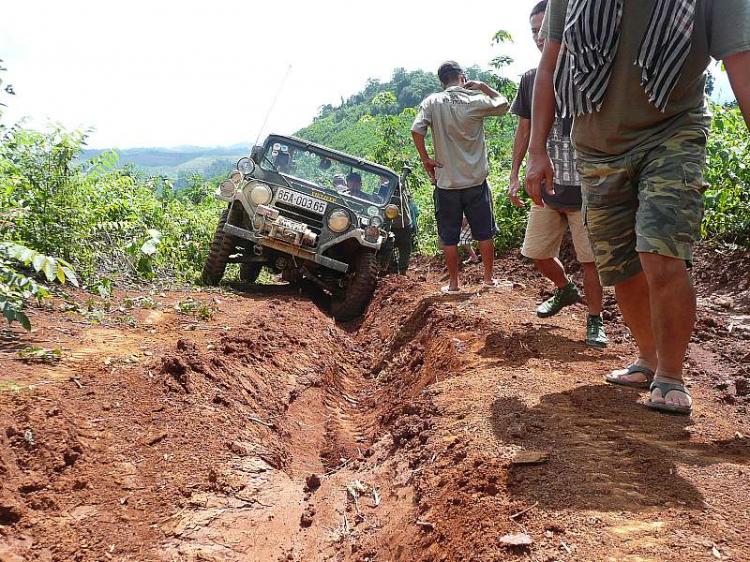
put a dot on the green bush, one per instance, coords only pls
(109, 223)
(727, 217)
(16, 289)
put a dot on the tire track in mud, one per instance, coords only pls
(348, 411)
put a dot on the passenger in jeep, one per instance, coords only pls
(385, 186)
(339, 182)
(283, 162)
(354, 187)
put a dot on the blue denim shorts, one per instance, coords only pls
(452, 204)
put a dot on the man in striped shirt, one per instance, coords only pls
(640, 131)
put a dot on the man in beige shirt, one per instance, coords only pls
(460, 167)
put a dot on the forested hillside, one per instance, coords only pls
(350, 127)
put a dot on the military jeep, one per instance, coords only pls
(307, 212)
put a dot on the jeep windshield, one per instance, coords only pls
(303, 164)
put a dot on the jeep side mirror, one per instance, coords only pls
(404, 174)
(256, 153)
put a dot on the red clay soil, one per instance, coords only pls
(431, 429)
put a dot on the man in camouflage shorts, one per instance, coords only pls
(640, 131)
(671, 176)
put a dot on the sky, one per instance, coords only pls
(143, 73)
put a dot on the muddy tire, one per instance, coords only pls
(360, 286)
(249, 272)
(222, 246)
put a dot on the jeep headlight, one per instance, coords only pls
(259, 194)
(391, 211)
(246, 166)
(376, 221)
(236, 177)
(227, 188)
(339, 220)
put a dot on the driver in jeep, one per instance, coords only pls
(354, 187)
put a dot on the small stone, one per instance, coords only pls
(520, 540)
(724, 303)
(240, 448)
(516, 430)
(530, 457)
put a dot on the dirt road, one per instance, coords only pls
(429, 430)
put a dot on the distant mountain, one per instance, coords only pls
(180, 162)
(172, 157)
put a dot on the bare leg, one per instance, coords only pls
(673, 318)
(472, 253)
(593, 288)
(552, 269)
(451, 260)
(487, 248)
(633, 299)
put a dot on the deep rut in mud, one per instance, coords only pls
(270, 433)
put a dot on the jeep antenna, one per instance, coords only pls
(273, 103)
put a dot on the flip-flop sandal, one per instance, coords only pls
(665, 388)
(632, 369)
(446, 290)
(494, 285)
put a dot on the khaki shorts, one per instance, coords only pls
(545, 232)
(645, 202)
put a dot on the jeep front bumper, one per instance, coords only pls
(305, 253)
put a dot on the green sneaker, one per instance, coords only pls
(595, 335)
(560, 299)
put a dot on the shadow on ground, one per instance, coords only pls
(607, 452)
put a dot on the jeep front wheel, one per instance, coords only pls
(359, 287)
(222, 247)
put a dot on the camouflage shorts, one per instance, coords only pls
(649, 201)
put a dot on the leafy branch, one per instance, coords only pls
(16, 288)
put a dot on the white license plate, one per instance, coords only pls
(301, 200)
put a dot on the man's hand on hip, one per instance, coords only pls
(539, 171)
(429, 166)
(513, 189)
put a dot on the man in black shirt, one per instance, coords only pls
(547, 225)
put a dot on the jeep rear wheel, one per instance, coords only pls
(359, 287)
(222, 246)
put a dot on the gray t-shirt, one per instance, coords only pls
(456, 116)
(627, 121)
(559, 146)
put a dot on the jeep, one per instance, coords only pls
(308, 212)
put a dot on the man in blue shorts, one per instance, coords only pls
(460, 167)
